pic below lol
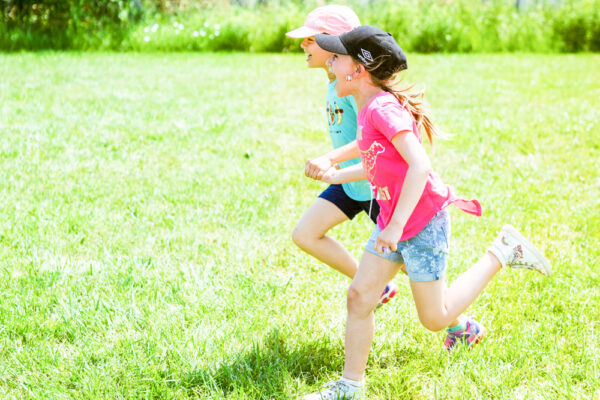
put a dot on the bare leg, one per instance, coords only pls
(439, 307)
(465, 289)
(373, 274)
(309, 235)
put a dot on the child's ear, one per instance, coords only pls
(359, 70)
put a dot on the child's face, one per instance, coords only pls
(317, 57)
(342, 66)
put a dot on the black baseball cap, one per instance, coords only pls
(367, 44)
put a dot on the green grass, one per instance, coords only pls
(147, 203)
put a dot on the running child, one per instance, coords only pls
(339, 202)
(413, 226)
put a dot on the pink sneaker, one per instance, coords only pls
(388, 293)
(472, 334)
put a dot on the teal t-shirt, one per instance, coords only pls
(341, 116)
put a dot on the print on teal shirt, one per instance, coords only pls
(336, 115)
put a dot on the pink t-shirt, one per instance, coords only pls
(378, 122)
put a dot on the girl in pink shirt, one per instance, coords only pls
(413, 227)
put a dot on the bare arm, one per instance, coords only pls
(349, 174)
(316, 167)
(419, 168)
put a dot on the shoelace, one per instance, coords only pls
(463, 333)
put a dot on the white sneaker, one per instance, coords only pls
(340, 390)
(514, 250)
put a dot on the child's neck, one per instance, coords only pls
(365, 94)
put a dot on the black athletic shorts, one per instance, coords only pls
(349, 206)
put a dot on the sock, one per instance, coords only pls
(462, 325)
(498, 254)
(354, 384)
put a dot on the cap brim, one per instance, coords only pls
(332, 44)
(302, 32)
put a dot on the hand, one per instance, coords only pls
(316, 167)
(331, 176)
(388, 239)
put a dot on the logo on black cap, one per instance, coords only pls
(366, 56)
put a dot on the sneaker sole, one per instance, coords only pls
(546, 267)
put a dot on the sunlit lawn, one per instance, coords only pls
(147, 201)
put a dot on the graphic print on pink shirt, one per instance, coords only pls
(369, 158)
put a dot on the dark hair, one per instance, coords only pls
(387, 77)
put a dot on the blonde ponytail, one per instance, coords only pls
(414, 102)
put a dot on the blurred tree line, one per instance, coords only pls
(260, 25)
(61, 24)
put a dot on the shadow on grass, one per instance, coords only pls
(265, 370)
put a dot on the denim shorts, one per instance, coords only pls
(425, 255)
(349, 206)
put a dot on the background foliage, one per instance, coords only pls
(259, 25)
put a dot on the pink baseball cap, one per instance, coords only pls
(332, 19)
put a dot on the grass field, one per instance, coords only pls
(146, 209)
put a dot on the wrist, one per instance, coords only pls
(396, 224)
(336, 179)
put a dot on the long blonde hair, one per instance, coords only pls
(413, 100)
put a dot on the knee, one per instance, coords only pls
(433, 322)
(358, 302)
(300, 237)
(304, 237)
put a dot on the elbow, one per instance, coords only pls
(428, 169)
(426, 166)
(422, 170)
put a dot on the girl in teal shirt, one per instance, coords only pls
(337, 203)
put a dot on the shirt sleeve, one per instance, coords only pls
(391, 118)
